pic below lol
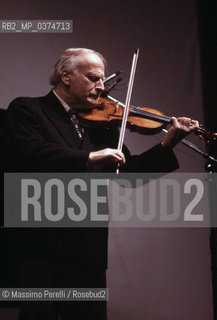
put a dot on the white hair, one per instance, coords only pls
(69, 61)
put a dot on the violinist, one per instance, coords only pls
(49, 138)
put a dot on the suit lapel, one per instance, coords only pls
(56, 113)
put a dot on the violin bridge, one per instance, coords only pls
(117, 105)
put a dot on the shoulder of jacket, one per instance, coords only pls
(27, 102)
(25, 99)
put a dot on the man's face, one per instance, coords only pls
(85, 86)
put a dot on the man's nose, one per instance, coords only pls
(100, 85)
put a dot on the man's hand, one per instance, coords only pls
(107, 155)
(180, 128)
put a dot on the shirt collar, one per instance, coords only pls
(64, 104)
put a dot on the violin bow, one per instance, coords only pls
(127, 102)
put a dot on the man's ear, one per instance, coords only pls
(66, 78)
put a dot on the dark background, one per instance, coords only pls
(156, 274)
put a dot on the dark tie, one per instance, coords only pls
(76, 124)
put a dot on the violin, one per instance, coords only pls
(146, 120)
(109, 111)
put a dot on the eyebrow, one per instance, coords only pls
(95, 76)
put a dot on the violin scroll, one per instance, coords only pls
(206, 135)
(214, 136)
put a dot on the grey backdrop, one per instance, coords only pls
(153, 274)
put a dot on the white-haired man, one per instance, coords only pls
(47, 139)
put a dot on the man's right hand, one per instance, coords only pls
(107, 155)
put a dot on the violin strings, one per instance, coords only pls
(149, 115)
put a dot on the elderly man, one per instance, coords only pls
(48, 138)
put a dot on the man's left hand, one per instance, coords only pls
(180, 128)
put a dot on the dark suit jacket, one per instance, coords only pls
(46, 141)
